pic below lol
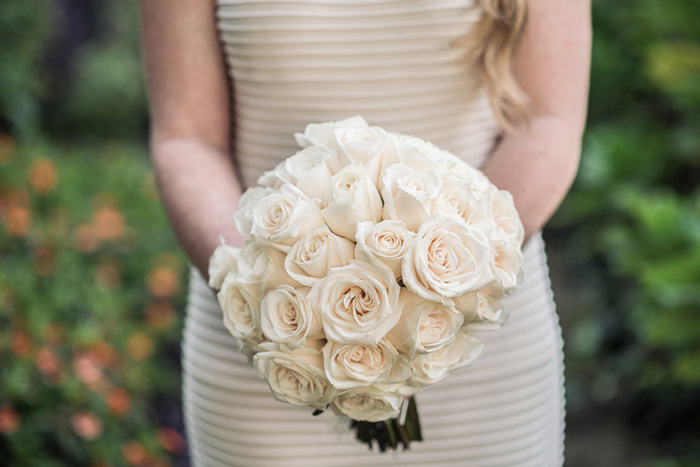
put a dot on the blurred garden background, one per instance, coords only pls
(92, 282)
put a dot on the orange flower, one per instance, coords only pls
(119, 402)
(108, 223)
(171, 440)
(103, 354)
(163, 282)
(18, 219)
(135, 454)
(47, 362)
(21, 344)
(86, 425)
(87, 370)
(139, 346)
(43, 175)
(85, 238)
(109, 275)
(9, 420)
(160, 315)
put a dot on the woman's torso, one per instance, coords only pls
(401, 64)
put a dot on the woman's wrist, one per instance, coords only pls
(537, 165)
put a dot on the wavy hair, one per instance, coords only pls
(496, 39)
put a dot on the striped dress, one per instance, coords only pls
(402, 65)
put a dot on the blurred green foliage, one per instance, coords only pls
(632, 223)
(91, 279)
(89, 289)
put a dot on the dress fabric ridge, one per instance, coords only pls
(402, 65)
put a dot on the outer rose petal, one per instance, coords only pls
(368, 404)
(223, 261)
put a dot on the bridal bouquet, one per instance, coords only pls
(372, 261)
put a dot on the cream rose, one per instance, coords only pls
(506, 216)
(368, 404)
(359, 365)
(365, 146)
(275, 178)
(458, 197)
(263, 265)
(308, 171)
(295, 376)
(424, 326)
(354, 199)
(244, 216)
(447, 259)
(286, 317)
(223, 261)
(421, 155)
(433, 367)
(408, 194)
(323, 134)
(240, 303)
(383, 243)
(282, 217)
(507, 263)
(315, 254)
(358, 303)
(483, 309)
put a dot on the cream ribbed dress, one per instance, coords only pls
(402, 65)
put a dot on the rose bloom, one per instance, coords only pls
(506, 216)
(447, 258)
(307, 170)
(424, 326)
(354, 199)
(360, 145)
(507, 263)
(408, 194)
(360, 365)
(433, 367)
(222, 261)
(458, 196)
(241, 308)
(263, 265)
(323, 134)
(295, 376)
(424, 155)
(383, 243)
(483, 309)
(283, 217)
(368, 404)
(358, 303)
(312, 257)
(286, 317)
(244, 216)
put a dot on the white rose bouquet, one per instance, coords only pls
(372, 261)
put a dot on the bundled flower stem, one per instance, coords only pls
(389, 433)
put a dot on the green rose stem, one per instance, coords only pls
(389, 433)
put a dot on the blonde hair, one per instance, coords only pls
(495, 41)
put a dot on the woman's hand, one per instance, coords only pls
(190, 119)
(538, 161)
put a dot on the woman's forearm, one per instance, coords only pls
(537, 165)
(200, 193)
